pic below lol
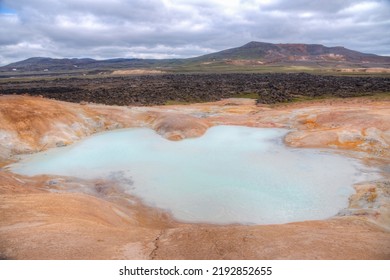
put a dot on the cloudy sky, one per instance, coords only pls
(184, 28)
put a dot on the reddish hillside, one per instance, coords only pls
(267, 53)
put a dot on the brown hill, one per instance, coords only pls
(267, 53)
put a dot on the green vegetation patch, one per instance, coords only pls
(251, 95)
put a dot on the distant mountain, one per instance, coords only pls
(268, 53)
(66, 64)
(42, 63)
(253, 53)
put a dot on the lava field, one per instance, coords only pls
(160, 89)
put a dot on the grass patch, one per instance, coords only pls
(302, 98)
(381, 96)
(375, 96)
(179, 102)
(251, 95)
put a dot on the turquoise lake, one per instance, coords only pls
(232, 174)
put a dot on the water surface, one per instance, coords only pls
(232, 174)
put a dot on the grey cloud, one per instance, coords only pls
(172, 28)
(328, 6)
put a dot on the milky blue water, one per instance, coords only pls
(232, 174)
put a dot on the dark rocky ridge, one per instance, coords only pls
(159, 89)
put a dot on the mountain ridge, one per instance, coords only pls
(252, 53)
(269, 51)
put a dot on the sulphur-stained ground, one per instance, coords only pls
(52, 217)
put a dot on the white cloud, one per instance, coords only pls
(173, 28)
(362, 7)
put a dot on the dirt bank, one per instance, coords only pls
(67, 218)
